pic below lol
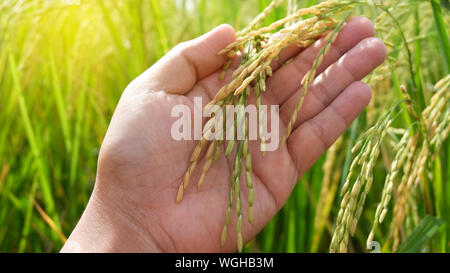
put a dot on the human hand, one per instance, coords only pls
(140, 167)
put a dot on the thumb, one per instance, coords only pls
(188, 62)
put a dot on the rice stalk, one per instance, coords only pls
(331, 176)
(359, 181)
(310, 76)
(411, 152)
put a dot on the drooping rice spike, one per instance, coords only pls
(310, 76)
(227, 216)
(209, 160)
(249, 183)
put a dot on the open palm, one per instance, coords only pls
(141, 166)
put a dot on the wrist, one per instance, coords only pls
(106, 227)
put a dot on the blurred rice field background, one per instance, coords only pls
(64, 65)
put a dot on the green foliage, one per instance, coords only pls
(421, 234)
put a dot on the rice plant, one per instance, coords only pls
(63, 67)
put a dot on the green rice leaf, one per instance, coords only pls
(421, 234)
